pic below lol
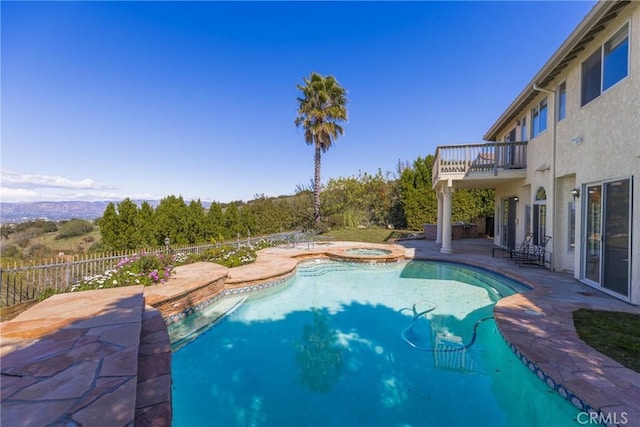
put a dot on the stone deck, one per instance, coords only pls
(102, 358)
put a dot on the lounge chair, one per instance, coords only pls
(518, 253)
(536, 255)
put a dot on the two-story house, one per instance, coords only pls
(564, 158)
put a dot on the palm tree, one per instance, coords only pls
(321, 107)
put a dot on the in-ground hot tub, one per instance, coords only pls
(367, 251)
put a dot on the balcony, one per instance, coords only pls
(480, 165)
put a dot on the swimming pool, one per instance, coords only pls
(339, 344)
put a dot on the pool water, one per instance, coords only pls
(407, 344)
(367, 251)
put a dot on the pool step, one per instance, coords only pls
(187, 330)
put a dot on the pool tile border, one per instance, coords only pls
(547, 379)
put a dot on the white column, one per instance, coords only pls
(439, 219)
(446, 248)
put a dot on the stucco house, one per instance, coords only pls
(564, 157)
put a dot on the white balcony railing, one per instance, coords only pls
(463, 160)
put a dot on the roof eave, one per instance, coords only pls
(599, 10)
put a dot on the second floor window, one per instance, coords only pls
(523, 129)
(562, 101)
(606, 66)
(539, 118)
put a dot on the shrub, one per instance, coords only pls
(73, 228)
(46, 294)
(230, 256)
(38, 251)
(143, 269)
(9, 251)
(98, 247)
(148, 269)
(6, 230)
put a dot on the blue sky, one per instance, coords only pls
(107, 100)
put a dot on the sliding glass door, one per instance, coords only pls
(508, 238)
(616, 233)
(607, 234)
(592, 246)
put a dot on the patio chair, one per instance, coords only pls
(522, 251)
(483, 162)
(514, 254)
(536, 255)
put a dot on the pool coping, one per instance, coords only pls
(538, 328)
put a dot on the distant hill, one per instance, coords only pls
(52, 211)
(60, 211)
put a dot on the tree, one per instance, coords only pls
(5, 231)
(419, 203)
(109, 227)
(170, 220)
(128, 231)
(232, 221)
(215, 222)
(417, 197)
(195, 222)
(145, 225)
(322, 106)
(265, 215)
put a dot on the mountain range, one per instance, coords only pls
(54, 211)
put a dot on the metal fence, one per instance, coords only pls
(28, 282)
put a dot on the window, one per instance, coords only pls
(572, 226)
(616, 58)
(562, 101)
(591, 77)
(535, 121)
(523, 129)
(539, 118)
(540, 217)
(606, 66)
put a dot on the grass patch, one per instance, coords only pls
(615, 334)
(367, 235)
(70, 244)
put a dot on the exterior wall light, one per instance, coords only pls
(575, 193)
(517, 199)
